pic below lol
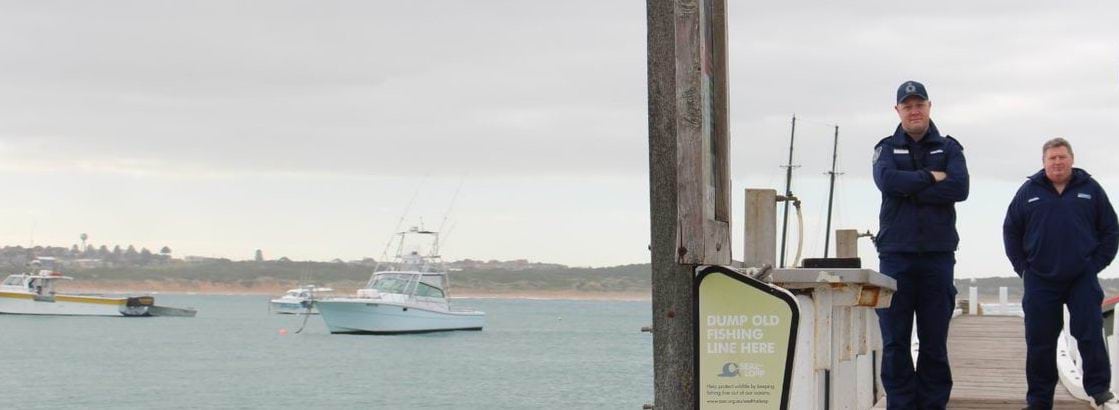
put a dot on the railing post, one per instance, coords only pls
(1113, 351)
(973, 300)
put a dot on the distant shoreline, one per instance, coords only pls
(276, 289)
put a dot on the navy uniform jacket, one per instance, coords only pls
(1060, 236)
(918, 214)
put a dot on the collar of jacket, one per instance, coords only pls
(1079, 176)
(932, 136)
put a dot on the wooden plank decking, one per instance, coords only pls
(988, 356)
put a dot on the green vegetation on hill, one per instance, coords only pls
(625, 278)
(224, 271)
(128, 264)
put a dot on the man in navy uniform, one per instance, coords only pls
(922, 175)
(1060, 231)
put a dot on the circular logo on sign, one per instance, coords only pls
(729, 370)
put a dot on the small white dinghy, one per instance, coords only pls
(297, 301)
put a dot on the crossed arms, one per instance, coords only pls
(925, 186)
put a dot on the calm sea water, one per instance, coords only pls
(533, 354)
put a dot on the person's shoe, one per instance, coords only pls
(1103, 400)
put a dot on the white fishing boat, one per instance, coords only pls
(409, 297)
(35, 294)
(297, 301)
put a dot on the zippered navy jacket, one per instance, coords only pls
(1060, 236)
(918, 214)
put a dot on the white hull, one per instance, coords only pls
(372, 316)
(67, 305)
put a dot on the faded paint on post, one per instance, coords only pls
(804, 392)
(702, 163)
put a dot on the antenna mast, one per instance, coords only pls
(831, 189)
(788, 190)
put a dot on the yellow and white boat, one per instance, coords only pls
(34, 294)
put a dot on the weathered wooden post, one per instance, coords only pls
(760, 247)
(846, 243)
(689, 178)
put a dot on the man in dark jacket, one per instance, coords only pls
(1060, 232)
(921, 175)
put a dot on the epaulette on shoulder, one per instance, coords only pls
(883, 141)
(949, 137)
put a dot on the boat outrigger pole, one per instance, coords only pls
(788, 190)
(831, 190)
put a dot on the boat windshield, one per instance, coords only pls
(14, 281)
(425, 290)
(391, 283)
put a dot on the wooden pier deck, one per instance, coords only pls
(988, 356)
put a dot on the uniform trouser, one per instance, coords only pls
(925, 289)
(1042, 302)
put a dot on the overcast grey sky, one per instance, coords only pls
(304, 127)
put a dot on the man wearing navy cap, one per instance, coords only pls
(921, 175)
(1060, 231)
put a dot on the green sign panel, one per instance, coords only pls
(745, 339)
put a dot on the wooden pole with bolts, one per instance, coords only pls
(689, 178)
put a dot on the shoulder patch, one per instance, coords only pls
(877, 154)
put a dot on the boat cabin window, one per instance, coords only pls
(391, 283)
(13, 281)
(426, 290)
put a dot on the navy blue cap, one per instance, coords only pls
(911, 88)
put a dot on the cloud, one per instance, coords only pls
(344, 91)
